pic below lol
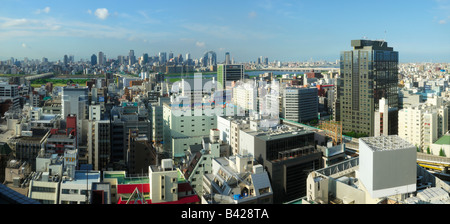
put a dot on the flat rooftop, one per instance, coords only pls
(279, 135)
(81, 177)
(123, 179)
(385, 143)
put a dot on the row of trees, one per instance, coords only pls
(441, 152)
(60, 81)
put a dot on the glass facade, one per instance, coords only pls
(368, 73)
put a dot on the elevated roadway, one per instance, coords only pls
(40, 76)
(303, 70)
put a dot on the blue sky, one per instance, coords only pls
(278, 29)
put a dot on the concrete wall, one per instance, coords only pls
(224, 127)
(246, 143)
(387, 172)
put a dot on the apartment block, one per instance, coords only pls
(422, 124)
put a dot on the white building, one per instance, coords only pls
(183, 130)
(10, 92)
(57, 182)
(163, 182)
(95, 112)
(74, 101)
(158, 120)
(199, 164)
(245, 95)
(77, 190)
(382, 120)
(388, 166)
(422, 124)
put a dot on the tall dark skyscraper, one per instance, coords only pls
(93, 59)
(131, 58)
(368, 73)
(145, 56)
(229, 73)
(66, 60)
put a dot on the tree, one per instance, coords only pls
(442, 153)
(428, 150)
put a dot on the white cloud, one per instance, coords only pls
(442, 21)
(252, 14)
(89, 12)
(13, 28)
(200, 44)
(102, 13)
(45, 10)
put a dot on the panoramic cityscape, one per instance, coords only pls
(252, 104)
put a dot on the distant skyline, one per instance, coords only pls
(277, 29)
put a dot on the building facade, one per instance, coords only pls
(422, 124)
(369, 72)
(300, 104)
(229, 73)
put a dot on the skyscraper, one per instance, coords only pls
(66, 60)
(228, 73)
(368, 73)
(131, 58)
(101, 58)
(188, 59)
(162, 57)
(93, 59)
(227, 58)
(145, 56)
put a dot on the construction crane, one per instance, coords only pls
(333, 129)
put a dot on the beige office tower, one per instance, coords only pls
(369, 73)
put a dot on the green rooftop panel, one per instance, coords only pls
(444, 140)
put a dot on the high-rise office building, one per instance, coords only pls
(162, 57)
(145, 57)
(300, 104)
(66, 60)
(93, 59)
(369, 72)
(209, 61)
(188, 59)
(229, 73)
(227, 58)
(101, 58)
(131, 58)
